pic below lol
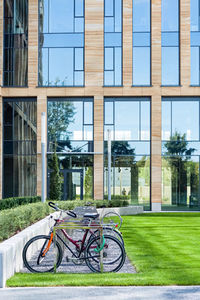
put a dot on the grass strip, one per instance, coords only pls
(164, 248)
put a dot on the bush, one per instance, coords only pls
(15, 219)
(17, 201)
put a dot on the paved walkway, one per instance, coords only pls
(103, 293)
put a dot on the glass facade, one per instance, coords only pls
(113, 42)
(180, 153)
(128, 120)
(170, 42)
(19, 147)
(141, 42)
(70, 129)
(15, 65)
(195, 41)
(61, 42)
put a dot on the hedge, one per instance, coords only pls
(16, 219)
(17, 201)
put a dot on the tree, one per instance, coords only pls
(60, 115)
(55, 178)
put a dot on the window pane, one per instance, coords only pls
(79, 25)
(141, 66)
(118, 65)
(79, 78)
(195, 65)
(170, 65)
(43, 67)
(129, 111)
(189, 112)
(118, 15)
(88, 114)
(108, 112)
(79, 8)
(88, 133)
(61, 66)
(195, 16)
(141, 15)
(65, 11)
(78, 59)
(109, 77)
(145, 121)
(141, 39)
(108, 7)
(166, 120)
(170, 15)
(112, 39)
(44, 23)
(109, 24)
(109, 59)
(170, 39)
(75, 128)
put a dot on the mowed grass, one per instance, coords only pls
(163, 247)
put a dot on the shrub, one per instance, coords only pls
(17, 201)
(15, 219)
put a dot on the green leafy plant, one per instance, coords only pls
(17, 201)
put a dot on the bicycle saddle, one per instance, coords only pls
(91, 215)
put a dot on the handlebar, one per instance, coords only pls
(55, 207)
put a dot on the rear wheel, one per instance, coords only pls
(34, 256)
(113, 254)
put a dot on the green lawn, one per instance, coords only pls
(164, 247)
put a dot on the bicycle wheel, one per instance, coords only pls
(112, 219)
(108, 231)
(34, 258)
(113, 256)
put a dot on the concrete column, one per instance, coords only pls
(127, 42)
(41, 107)
(156, 162)
(94, 46)
(33, 43)
(185, 42)
(98, 147)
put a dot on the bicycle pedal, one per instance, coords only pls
(67, 259)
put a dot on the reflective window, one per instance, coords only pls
(170, 42)
(173, 114)
(195, 41)
(61, 43)
(113, 42)
(15, 43)
(181, 153)
(20, 147)
(128, 119)
(70, 120)
(141, 42)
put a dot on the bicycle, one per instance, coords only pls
(47, 253)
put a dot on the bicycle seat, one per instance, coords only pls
(91, 215)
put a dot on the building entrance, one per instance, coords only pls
(72, 184)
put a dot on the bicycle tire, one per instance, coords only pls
(112, 218)
(113, 256)
(108, 231)
(33, 259)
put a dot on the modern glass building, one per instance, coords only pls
(128, 66)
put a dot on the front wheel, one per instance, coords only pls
(39, 254)
(113, 254)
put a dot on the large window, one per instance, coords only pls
(180, 153)
(70, 132)
(15, 43)
(19, 147)
(141, 42)
(128, 120)
(170, 42)
(61, 43)
(113, 42)
(195, 41)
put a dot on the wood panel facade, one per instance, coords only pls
(94, 67)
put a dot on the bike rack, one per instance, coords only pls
(80, 225)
